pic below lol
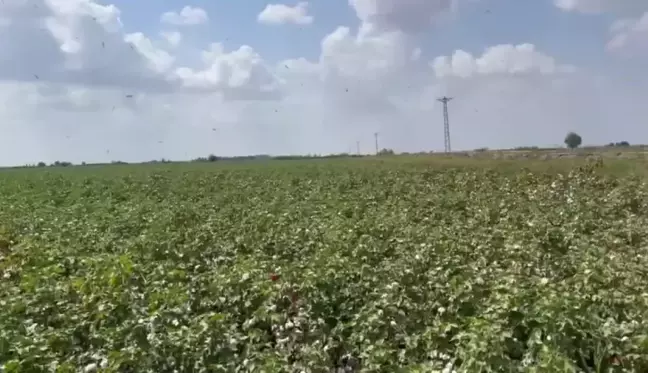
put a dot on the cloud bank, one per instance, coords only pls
(78, 87)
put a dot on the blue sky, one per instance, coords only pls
(78, 85)
(486, 23)
(234, 23)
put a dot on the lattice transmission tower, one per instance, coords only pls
(446, 123)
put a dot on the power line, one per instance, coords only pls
(446, 123)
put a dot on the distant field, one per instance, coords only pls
(630, 152)
(379, 264)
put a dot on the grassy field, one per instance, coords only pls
(402, 264)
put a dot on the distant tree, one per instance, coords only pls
(212, 158)
(573, 140)
(61, 164)
(619, 144)
(41, 164)
(386, 152)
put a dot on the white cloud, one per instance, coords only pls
(406, 15)
(159, 61)
(172, 37)
(367, 54)
(81, 42)
(103, 94)
(630, 34)
(279, 14)
(373, 80)
(84, 43)
(503, 59)
(601, 6)
(241, 73)
(188, 16)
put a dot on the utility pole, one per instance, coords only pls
(446, 123)
(376, 140)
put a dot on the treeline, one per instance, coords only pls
(259, 157)
(214, 158)
(620, 144)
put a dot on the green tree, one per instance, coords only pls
(573, 140)
(386, 151)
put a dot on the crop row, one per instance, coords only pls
(323, 266)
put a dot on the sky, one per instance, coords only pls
(98, 81)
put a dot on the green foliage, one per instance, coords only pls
(265, 157)
(573, 140)
(60, 164)
(385, 152)
(372, 266)
(620, 144)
